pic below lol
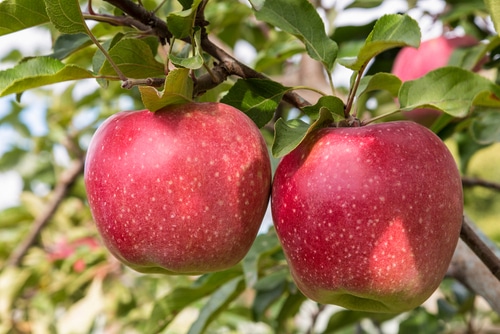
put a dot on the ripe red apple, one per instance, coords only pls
(368, 216)
(412, 63)
(179, 191)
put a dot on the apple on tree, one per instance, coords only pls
(411, 63)
(368, 216)
(182, 190)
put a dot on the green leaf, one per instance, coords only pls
(258, 98)
(300, 18)
(66, 16)
(66, 44)
(134, 58)
(37, 72)
(345, 318)
(485, 127)
(390, 31)
(365, 4)
(450, 89)
(330, 103)
(379, 81)
(13, 216)
(181, 23)
(264, 245)
(494, 10)
(218, 301)
(166, 308)
(289, 134)
(21, 14)
(269, 289)
(178, 89)
(289, 309)
(193, 62)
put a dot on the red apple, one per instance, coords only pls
(179, 191)
(368, 216)
(411, 63)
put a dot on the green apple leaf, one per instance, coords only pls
(300, 18)
(264, 244)
(181, 23)
(178, 89)
(379, 81)
(67, 44)
(365, 4)
(289, 134)
(344, 318)
(66, 16)
(289, 308)
(218, 301)
(330, 103)
(268, 290)
(485, 127)
(450, 89)
(494, 10)
(390, 31)
(258, 98)
(194, 61)
(165, 309)
(37, 72)
(21, 14)
(134, 58)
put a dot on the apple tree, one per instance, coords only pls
(250, 166)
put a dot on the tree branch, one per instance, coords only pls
(228, 65)
(473, 182)
(481, 249)
(68, 177)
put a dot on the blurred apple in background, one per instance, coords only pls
(411, 63)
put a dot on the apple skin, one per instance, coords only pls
(179, 191)
(369, 216)
(412, 63)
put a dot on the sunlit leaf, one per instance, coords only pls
(166, 308)
(178, 89)
(66, 16)
(300, 18)
(390, 31)
(454, 91)
(218, 301)
(494, 10)
(37, 72)
(21, 14)
(380, 81)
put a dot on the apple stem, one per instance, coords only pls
(480, 248)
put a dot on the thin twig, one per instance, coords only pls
(68, 177)
(472, 182)
(482, 250)
(228, 64)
